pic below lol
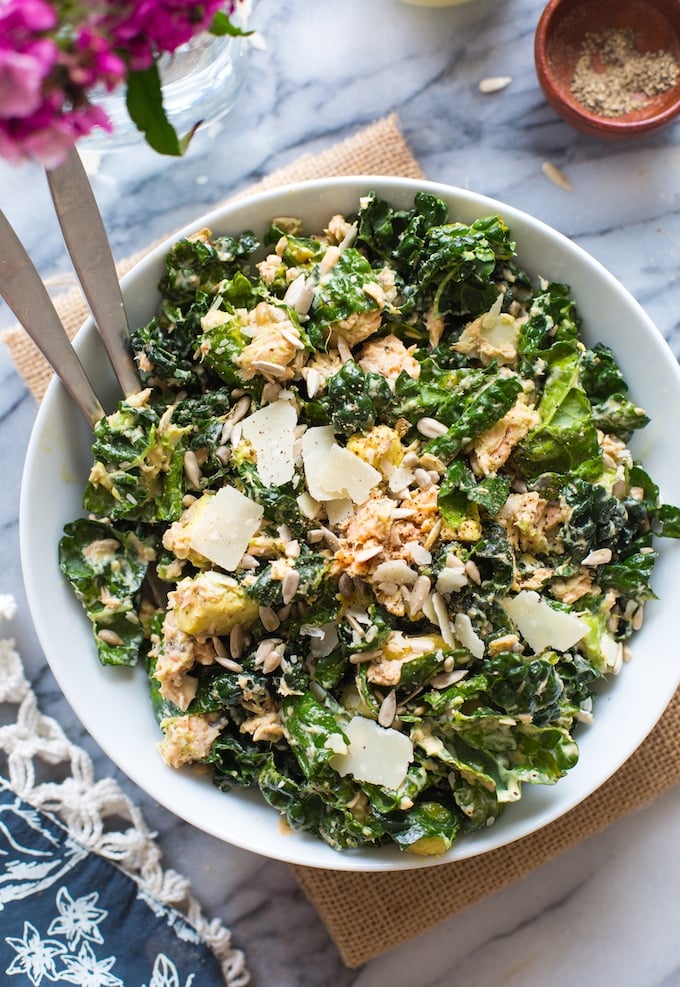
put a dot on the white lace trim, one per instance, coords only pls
(84, 805)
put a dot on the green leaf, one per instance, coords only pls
(223, 26)
(429, 828)
(145, 106)
(356, 399)
(668, 517)
(106, 567)
(460, 487)
(308, 725)
(566, 437)
(482, 410)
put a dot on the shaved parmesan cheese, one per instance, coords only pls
(541, 626)
(271, 432)
(356, 476)
(467, 635)
(335, 743)
(316, 447)
(399, 479)
(339, 510)
(308, 506)
(333, 472)
(225, 526)
(377, 755)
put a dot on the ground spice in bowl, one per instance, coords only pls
(611, 68)
(612, 77)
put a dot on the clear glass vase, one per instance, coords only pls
(200, 80)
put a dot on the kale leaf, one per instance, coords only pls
(106, 567)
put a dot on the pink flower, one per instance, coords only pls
(47, 135)
(22, 74)
(53, 55)
(20, 19)
(92, 63)
(26, 58)
(146, 27)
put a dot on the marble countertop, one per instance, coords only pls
(606, 910)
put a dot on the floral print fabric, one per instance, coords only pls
(68, 916)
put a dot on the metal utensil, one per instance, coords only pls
(22, 288)
(85, 237)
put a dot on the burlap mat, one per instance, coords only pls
(367, 914)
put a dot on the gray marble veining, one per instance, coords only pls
(606, 911)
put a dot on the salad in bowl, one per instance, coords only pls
(374, 532)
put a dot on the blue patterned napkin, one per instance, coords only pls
(103, 914)
(69, 916)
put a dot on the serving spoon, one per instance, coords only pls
(87, 243)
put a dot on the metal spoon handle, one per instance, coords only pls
(87, 243)
(22, 288)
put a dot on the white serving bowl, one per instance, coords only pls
(112, 703)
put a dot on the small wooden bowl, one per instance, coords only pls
(559, 44)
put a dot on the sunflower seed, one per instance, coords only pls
(236, 434)
(268, 618)
(223, 453)
(240, 409)
(263, 649)
(420, 590)
(601, 556)
(638, 618)
(409, 460)
(269, 369)
(494, 83)
(435, 531)
(445, 679)
(401, 513)
(388, 709)
(236, 641)
(345, 585)
(344, 351)
(290, 584)
(272, 661)
(219, 647)
(443, 619)
(423, 479)
(331, 540)
(418, 552)
(553, 173)
(354, 624)
(430, 428)
(395, 571)
(366, 554)
(619, 489)
(110, 637)
(292, 549)
(473, 572)
(359, 657)
(313, 382)
(299, 295)
(293, 338)
(270, 392)
(248, 562)
(229, 664)
(192, 471)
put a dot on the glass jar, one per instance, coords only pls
(200, 80)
